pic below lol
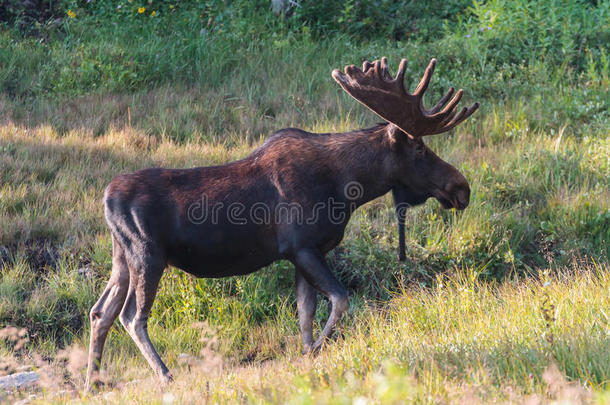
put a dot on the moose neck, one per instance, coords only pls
(365, 159)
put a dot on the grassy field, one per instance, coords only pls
(508, 301)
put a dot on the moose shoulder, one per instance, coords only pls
(290, 199)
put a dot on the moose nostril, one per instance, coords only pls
(461, 195)
(465, 201)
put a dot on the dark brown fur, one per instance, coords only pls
(155, 217)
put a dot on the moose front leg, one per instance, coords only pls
(307, 300)
(314, 269)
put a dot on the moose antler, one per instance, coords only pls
(375, 87)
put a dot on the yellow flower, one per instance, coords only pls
(171, 7)
(71, 14)
(141, 10)
(154, 13)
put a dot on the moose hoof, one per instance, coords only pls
(306, 349)
(93, 385)
(311, 349)
(166, 379)
(314, 349)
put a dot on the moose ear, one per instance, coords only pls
(396, 136)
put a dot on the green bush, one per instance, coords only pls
(498, 49)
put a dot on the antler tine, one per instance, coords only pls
(377, 69)
(467, 114)
(366, 65)
(353, 71)
(376, 88)
(425, 80)
(450, 107)
(385, 70)
(458, 118)
(442, 101)
(400, 75)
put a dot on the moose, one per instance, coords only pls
(155, 215)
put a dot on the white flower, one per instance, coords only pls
(168, 398)
(360, 401)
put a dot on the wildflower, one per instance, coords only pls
(119, 7)
(141, 10)
(360, 401)
(71, 14)
(467, 35)
(546, 284)
(171, 6)
(154, 13)
(488, 28)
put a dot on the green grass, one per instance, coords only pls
(467, 317)
(463, 340)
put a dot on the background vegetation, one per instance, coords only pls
(488, 299)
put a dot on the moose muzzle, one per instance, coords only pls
(456, 194)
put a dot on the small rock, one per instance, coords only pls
(279, 6)
(85, 272)
(19, 380)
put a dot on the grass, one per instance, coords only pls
(463, 340)
(506, 301)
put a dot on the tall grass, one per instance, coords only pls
(464, 340)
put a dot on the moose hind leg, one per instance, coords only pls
(144, 281)
(106, 310)
(316, 272)
(306, 306)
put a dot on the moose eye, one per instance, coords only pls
(420, 149)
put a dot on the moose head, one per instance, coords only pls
(419, 173)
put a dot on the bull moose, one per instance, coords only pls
(156, 216)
